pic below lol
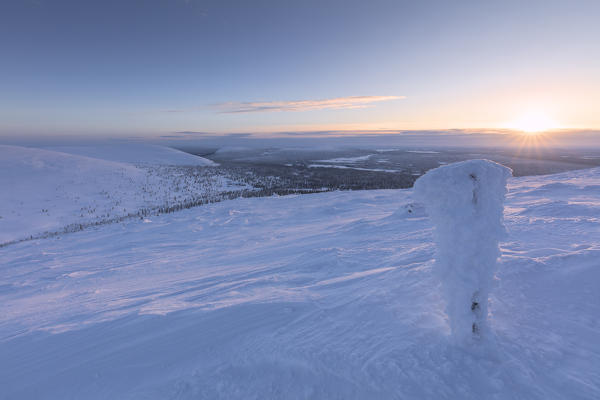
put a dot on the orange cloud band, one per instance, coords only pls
(303, 105)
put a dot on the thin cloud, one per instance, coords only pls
(193, 133)
(337, 103)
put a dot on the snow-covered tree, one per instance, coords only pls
(465, 203)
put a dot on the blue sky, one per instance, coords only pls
(158, 66)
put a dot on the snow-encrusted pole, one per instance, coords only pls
(465, 203)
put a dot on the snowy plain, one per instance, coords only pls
(326, 296)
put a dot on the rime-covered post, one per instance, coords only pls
(465, 203)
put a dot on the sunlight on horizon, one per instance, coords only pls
(534, 122)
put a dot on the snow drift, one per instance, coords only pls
(325, 296)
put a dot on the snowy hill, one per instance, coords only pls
(327, 296)
(46, 191)
(135, 153)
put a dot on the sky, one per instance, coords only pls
(159, 67)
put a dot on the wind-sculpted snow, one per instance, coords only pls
(312, 296)
(465, 201)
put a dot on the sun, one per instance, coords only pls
(534, 122)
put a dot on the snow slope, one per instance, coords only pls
(135, 153)
(45, 191)
(327, 296)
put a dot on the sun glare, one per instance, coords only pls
(534, 122)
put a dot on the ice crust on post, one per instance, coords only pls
(465, 202)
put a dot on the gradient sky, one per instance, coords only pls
(152, 67)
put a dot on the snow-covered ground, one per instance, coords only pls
(347, 160)
(346, 167)
(134, 153)
(47, 190)
(327, 296)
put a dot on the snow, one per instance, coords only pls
(134, 153)
(355, 168)
(46, 191)
(233, 149)
(347, 160)
(324, 296)
(465, 203)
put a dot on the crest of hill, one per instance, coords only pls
(48, 190)
(135, 153)
(46, 187)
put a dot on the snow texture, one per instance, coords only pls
(135, 154)
(321, 296)
(47, 191)
(465, 203)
